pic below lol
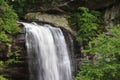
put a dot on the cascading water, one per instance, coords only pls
(47, 53)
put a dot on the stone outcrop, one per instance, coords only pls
(56, 20)
(111, 15)
(9, 54)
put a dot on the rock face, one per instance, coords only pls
(112, 15)
(63, 6)
(93, 4)
(56, 20)
(19, 71)
(56, 15)
(16, 51)
(74, 49)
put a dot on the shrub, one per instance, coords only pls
(106, 49)
(85, 23)
(7, 21)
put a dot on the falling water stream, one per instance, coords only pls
(47, 53)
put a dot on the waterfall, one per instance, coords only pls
(47, 53)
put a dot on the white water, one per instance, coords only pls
(47, 53)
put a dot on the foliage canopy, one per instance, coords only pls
(85, 23)
(107, 56)
(104, 48)
(7, 21)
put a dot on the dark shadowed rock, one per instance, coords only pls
(92, 4)
(65, 6)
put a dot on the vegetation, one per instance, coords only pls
(20, 6)
(2, 78)
(1, 68)
(7, 21)
(13, 57)
(103, 48)
(86, 23)
(4, 37)
(107, 56)
(8, 26)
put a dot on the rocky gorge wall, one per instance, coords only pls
(15, 58)
(19, 70)
(56, 15)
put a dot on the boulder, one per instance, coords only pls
(56, 20)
